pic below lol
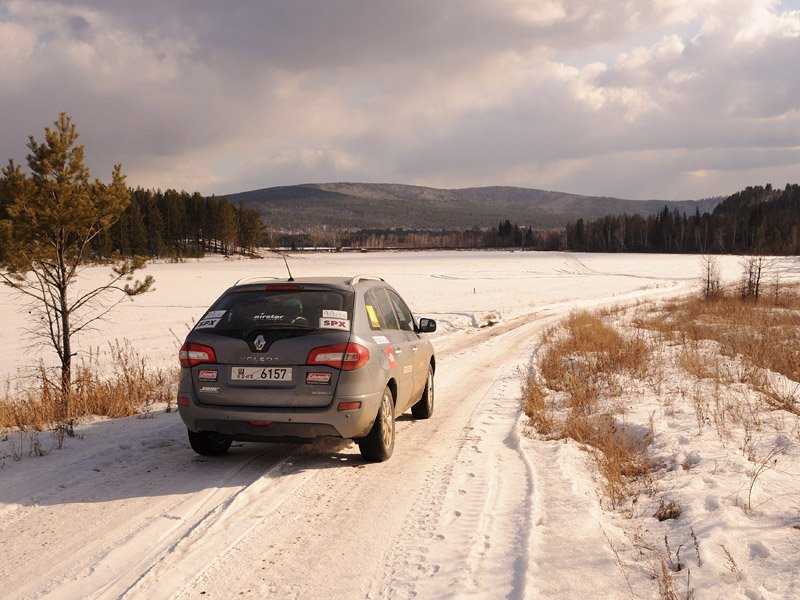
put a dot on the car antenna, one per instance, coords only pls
(287, 268)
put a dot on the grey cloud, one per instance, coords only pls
(80, 28)
(242, 80)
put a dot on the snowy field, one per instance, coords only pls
(460, 289)
(468, 506)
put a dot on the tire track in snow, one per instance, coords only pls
(85, 564)
(349, 521)
(192, 552)
(471, 514)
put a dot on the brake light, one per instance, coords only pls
(346, 357)
(283, 287)
(196, 354)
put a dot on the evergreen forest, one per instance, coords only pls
(172, 224)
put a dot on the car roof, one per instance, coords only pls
(345, 282)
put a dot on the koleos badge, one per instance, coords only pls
(260, 342)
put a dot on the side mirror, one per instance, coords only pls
(426, 326)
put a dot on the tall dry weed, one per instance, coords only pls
(766, 332)
(580, 363)
(129, 387)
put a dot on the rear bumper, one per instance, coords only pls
(284, 423)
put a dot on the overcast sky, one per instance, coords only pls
(669, 99)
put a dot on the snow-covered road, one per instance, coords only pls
(462, 509)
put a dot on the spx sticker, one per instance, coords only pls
(206, 323)
(341, 324)
(210, 319)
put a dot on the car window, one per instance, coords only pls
(379, 310)
(243, 311)
(403, 314)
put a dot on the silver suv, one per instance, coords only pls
(294, 359)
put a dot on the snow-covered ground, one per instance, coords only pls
(468, 506)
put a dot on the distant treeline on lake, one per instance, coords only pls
(172, 224)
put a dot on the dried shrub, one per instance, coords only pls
(590, 349)
(535, 407)
(126, 390)
(700, 365)
(579, 363)
(667, 510)
(766, 332)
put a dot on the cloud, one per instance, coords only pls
(616, 98)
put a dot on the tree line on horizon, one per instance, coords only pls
(756, 220)
(178, 224)
(173, 224)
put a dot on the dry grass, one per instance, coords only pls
(579, 362)
(766, 332)
(590, 350)
(700, 365)
(534, 405)
(740, 360)
(129, 389)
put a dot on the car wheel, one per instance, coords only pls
(208, 443)
(423, 409)
(378, 444)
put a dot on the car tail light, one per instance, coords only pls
(346, 357)
(196, 354)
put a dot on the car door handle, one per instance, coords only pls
(397, 350)
(414, 348)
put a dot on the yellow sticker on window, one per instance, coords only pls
(373, 317)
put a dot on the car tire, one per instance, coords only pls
(423, 409)
(378, 444)
(208, 443)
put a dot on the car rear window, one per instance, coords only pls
(238, 313)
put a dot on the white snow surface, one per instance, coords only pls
(469, 505)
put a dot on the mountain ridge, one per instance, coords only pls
(349, 205)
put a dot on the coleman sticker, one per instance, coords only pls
(380, 339)
(334, 314)
(318, 378)
(343, 324)
(206, 323)
(207, 375)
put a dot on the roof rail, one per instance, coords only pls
(359, 278)
(254, 279)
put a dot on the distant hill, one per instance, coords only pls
(380, 205)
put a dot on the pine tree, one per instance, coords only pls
(52, 218)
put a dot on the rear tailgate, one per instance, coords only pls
(276, 378)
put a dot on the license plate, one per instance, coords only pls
(261, 374)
